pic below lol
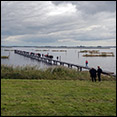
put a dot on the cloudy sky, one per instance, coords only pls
(58, 23)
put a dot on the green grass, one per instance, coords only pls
(53, 73)
(56, 91)
(57, 98)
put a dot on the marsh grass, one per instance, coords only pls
(59, 50)
(8, 50)
(52, 73)
(4, 57)
(90, 51)
(41, 50)
(98, 54)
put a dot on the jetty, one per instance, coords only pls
(51, 61)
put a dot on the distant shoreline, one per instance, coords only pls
(68, 47)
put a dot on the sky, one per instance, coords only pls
(58, 23)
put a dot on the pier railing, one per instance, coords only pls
(56, 62)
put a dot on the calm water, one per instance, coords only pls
(71, 56)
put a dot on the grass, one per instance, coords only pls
(41, 50)
(4, 57)
(58, 91)
(98, 55)
(90, 51)
(57, 98)
(52, 73)
(59, 50)
(8, 50)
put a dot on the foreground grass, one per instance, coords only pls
(56, 91)
(57, 98)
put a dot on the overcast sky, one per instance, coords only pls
(58, 23)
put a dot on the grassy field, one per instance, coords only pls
(57, 98)
(55, 92)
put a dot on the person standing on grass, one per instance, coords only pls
(86, 63)
(92, 72)
(99, 71)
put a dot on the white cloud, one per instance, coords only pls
(92, 27)
(62, 9)
(67, 40)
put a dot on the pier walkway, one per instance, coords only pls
(56, 62)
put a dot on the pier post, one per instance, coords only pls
(61, 63)
(55, 62)
(80, 68)
(77, 68)
(69, 66)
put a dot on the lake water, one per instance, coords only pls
(71, 56)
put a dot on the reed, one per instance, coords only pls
(41, 50)
(96, 53)
(90, 51)
(59, 50)
(4, 57)
(101, 54)
(8, 50)
(52, 73)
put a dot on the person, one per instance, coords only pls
(57, 57)
(99, 71)
(93, 74)
(86, 63)
(46, 55)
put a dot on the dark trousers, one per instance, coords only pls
(99, 77)
(86, 64)
(93, 78)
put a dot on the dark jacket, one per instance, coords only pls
(99, 71)
(92, 72)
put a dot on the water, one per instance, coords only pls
(71, 56)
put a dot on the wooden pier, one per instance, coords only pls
(56, 62)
